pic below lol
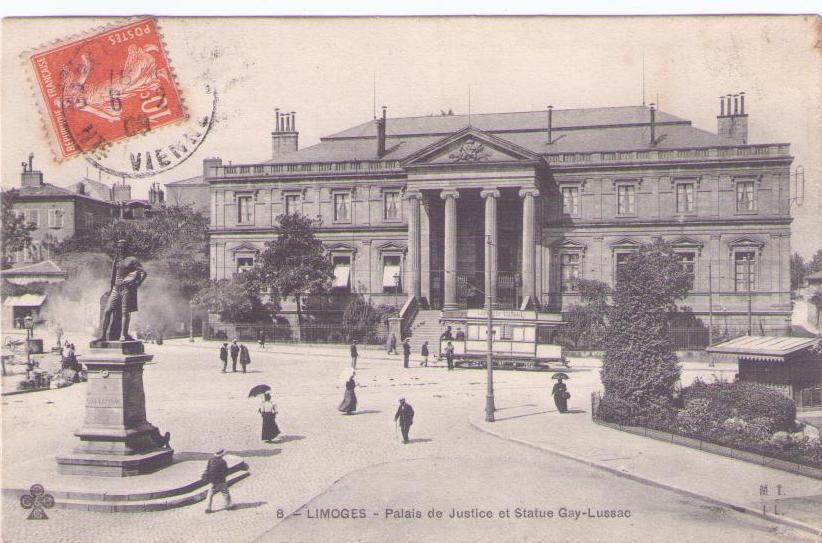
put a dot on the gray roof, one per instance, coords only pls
(762, 347)
(573, 131)
(196, 180)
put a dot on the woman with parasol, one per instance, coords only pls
(560, 392)
(268, 410)
(349, 403)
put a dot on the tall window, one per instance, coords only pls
(245, 209)
(391, 278)
(688, 261)
(745, 270)
(244, 263)
(626, 200)
(292, 203)
(745, 197)
(684, 197)
(391, 206)
(570, 201)
(342, 273)
(33, 216)
(619, 263)
(88, 220)
(55, 218)
(569, 266)
(342, 207)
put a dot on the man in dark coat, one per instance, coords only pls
(405, 417)
(354, 354)
(392, 344)
(406, 352)
(245, 357)
(235, 352)
(224, 355)
(215, 473)
(127, 274)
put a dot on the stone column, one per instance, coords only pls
(450, 279)
(529, 284)
(490, 196)
(414, 273)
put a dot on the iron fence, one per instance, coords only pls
(288, 333)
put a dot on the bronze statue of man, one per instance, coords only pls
(127, 274)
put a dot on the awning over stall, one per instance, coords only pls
(26, 300)
(775, 349)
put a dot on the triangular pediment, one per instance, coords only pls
(470, 146)
(626, 243)
(746, 242)
(568, 244)
(245, 248)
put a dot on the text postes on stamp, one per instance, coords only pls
(106, 87)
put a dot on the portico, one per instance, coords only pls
(477, 199)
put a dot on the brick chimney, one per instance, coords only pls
(381, 133)
(31, 177)
(209, 167)
(285, 138)
(121, 193)
(732, 121)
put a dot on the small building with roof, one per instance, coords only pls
(792, 365)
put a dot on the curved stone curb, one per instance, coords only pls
(778, 519)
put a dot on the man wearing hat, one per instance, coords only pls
(215, 473)
(127, 274)
(235, 352)
(405, 417)
(354, 354)
(406, 352)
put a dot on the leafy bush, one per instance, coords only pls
(747, 401)
(697, 418)
(658, 415)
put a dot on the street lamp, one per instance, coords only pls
(28, 324)
(191, 321)
(489, 397)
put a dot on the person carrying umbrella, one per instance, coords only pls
(560, 392)
(268, 410)
(349, 403)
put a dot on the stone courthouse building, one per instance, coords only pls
(423, 207)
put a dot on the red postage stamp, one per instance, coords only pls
(106, 87)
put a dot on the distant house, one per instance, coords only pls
(17, 308)
(58, 213)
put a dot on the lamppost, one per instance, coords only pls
(489, 362)
(28, 324)
(191, 321)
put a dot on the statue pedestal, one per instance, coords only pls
(116, 440)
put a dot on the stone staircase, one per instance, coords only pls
(426, 327)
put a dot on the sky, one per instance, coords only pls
(325, 69)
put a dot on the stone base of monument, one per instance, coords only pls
(116, 440)
(178, 485)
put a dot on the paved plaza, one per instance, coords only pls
(328, 465)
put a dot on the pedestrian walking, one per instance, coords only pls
(560, 394)
(447, 334)
(261, 338)
(354, 354)
(406, 352)
(424, 354)
(245, 356)
(449, 355)
(269, 413)
(224, 355)
(215, 473)
(235, 352)
(392, 344)
(405, 418)
(349, 403)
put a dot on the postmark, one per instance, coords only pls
(106, 87)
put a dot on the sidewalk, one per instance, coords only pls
(717, 479)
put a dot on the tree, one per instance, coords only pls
(586, 320)
(16, 234)
(797, 271)
(639, 367)
(294, 264)
(815, 263)
(235, 300)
